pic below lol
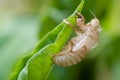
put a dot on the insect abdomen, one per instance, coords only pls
(76, 54)
(69, 59)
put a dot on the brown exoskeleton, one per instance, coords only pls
(77, 47)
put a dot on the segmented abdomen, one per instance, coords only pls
(76, 54)
(69, 59)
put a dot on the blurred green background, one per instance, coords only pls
(24, 22)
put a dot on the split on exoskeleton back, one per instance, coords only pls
(78, 46)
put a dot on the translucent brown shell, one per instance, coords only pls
(78, 46)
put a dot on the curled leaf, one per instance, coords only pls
(37, 65)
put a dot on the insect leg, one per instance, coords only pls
(68, 23)
(60, 58)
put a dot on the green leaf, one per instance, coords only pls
(49, 38)
(37, 65)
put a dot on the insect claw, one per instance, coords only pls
(65, 21)
(68, 23)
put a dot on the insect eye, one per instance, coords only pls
(79, 15)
